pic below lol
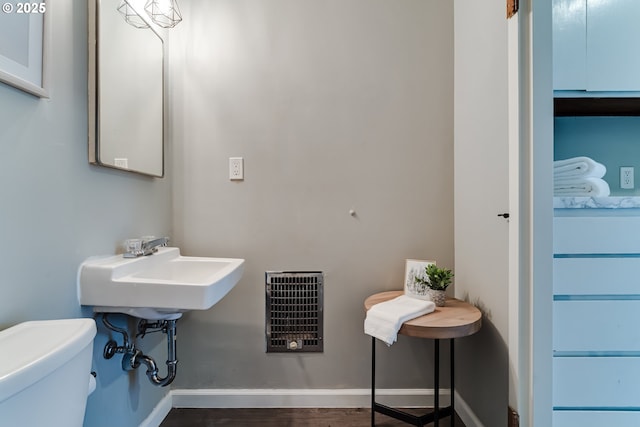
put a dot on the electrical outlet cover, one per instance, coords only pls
(627, 178)
(236, 168)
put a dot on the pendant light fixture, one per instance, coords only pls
(164, 13)
(131, 16)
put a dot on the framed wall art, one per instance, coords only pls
(413, 268)
(24, 46)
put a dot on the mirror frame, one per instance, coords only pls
(94, 96)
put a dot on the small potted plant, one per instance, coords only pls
(437, 280)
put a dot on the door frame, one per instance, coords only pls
(531, 196)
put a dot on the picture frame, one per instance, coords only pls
(413, 268)
(24, 57)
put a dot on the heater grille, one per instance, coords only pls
(294, 311)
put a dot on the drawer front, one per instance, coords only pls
(596, 276)
(596, 313)
(597, 326)
(596, 418)
(596, 235)
(596, 382)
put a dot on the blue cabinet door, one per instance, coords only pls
(570, 44)
(613, 45)
(596, 45)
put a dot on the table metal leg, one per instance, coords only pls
(453, 396)
(436, 375)
(406, 417)
(373, 382)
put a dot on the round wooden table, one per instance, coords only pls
(455, 320)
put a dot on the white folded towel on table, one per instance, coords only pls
(578, 167)
(384, 319)
(590, 186)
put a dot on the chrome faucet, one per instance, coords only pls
(144, 246)
(151, 244)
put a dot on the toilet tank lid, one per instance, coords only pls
(31, 350)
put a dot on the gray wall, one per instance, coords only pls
(58, 210)
(334, 106)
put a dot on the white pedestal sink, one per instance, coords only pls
(158, 286)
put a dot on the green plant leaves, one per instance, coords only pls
(437, 278)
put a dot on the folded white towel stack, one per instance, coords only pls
(579, 176)
(384, 319)
(594, 187)
(582, 167)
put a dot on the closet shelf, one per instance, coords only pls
(611, 202)
(566, 107)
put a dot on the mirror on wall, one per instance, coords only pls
(126, 92)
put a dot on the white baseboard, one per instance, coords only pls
(466, 414)
(304, 398)
(159, 413)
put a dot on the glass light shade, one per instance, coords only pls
(165, 13)
(131, 16)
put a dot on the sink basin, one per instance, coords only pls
(159, 286)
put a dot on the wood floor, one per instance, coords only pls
(284, 417)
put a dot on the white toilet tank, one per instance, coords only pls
(44, 372)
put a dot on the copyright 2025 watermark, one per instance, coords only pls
(24, 8)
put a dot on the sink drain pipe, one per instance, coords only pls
(133, 357)
(172, 361)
